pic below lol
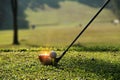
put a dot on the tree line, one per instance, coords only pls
(116, 7)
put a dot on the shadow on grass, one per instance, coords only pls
(76, 47)
(103, 48)
(101, 68)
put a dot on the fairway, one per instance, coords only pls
(95, 56)
(61, 36)
(49, 27)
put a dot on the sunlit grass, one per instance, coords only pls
(97, 34)
(69, 12)
(95, 55)
(74, 65)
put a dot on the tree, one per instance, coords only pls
(116, 7)
(14, 5)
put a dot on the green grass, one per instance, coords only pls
(75, 65)
(59, 26)
(69, 12)
(61, 36)
(95, 55)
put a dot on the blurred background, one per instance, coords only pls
(55, 23)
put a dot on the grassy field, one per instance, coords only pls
(95, 55)
(75, 65)
(60, 12)
(97, 34)
(69, 13)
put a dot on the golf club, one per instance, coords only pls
(51, 59)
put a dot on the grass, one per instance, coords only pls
(97, 34)
(95, 55)
(69, 12)
(75, 65)
(65, 23)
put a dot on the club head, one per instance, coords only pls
(48, 59)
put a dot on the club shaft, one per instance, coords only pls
(84, 29)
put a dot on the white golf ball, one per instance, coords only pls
(53, 54)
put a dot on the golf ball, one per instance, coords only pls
(53, 54)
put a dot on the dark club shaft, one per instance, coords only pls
(58, 59)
